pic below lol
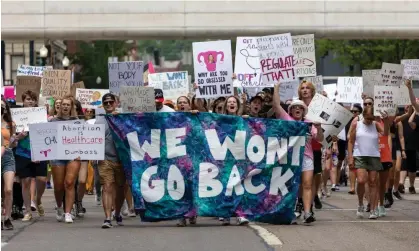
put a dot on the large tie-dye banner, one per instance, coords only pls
(183, 164)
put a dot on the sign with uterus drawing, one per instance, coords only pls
(213, 68)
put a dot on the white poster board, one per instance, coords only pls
(85, 141)
(288, 90)
(213, 68)
(391, 74)
(276, 59)
(403, 97)
(125, 74)
(410, 69)
(317, 82)
(370, 78)
(349, 90)
(31, 115)
(331, 115)
(385, 99)
(173, 84)
(137, 99)
(29, 70)
(330, 90)
(90, 98)
(304, 55)
(247, 64)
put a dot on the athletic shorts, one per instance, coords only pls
(317, 161)
(386, 165)
(368, 163)
(26, 168)
(8, 161)
(113, 172)
(342, 145)
(409, 164)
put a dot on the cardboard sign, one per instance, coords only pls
(25, 83)
(56, 83)
(304, 55)
(75, 86)
(90, 98)
(288, 90)
(29, 70)
(23, 116)
(137, 99)
(213, 67)
(391, 74)
(402, 96)
(125, 74)
(410, 69)
(330, 90)
(349, 90)
(317, 82)
(276, 58)
(385, 99)
(370, 78)
(173, 84)
(333, 116)
(247, 63)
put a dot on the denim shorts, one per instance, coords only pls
(59, 162)
(8, 162)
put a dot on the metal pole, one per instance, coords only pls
(31, 53)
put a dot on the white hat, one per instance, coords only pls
(295, 103)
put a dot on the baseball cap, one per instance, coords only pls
(256, 97)
(108, 95)
(158, 95)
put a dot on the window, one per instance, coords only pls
(16, 60)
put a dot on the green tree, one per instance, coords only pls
(170, 49)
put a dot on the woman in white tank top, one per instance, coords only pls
(364, 155)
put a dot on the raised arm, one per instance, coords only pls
(412, 95)
(412, 122)
(279, 111)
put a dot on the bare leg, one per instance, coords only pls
(40, 188)
(58, 175)
(82, 181)
(26, 193)
(372, 183)
(72, 171)
(8, 178)
(307, 182)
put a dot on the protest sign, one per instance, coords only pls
(288, 90)
(370, 78)
(247, 64)
(74, 87)
(349, 90)
(137, 99)
(173, 84)
(25, 83)
(276, 58)
(402, 96)
(211, 164)
(330, 90)
(391, 74)
(304, 55)
(385, 99)
(317, 82)
(125, 74)
(56, 83)
(23, 116)
(85, 141)
(29, 70)
(90, 98)
(410, 68)
(213, 68)
(331, 115)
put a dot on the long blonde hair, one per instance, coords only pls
(73, 112)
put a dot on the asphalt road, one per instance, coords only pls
(336, 228)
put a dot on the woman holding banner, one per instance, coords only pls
(296, 112)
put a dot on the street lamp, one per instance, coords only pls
(98, 80)
(66, 62)
(43, 53)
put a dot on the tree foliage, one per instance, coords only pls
(170, 49)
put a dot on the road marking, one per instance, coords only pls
(268, 237)
(372, 221)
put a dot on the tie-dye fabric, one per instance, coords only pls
(23, 148)
(265, 191)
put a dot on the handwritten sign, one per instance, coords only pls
(349, 90)
(29, 70)
(385, 99)
(137, 99)
(304, 55)
(370, 78)
(247, 63)
(74, 87)
(25, 83)
(56, 83)
(330, 90)
(23, 116)
(276, 58)
(85, 141)
(125, 74)
(391, 74)
(402, 96)
(410, 68)
(288, 90)
(333, 116)
(90, 98)
(317, 82)
(173, 84)
(213, 67)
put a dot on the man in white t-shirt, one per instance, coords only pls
(159, 97)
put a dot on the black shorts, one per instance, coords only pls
(317, 162)
(342, 145)
(409, 164)
(386, 166)
(25, 168)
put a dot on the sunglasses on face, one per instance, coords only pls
(220, 108)
(108, 102)
(365, 104)
(355, 111)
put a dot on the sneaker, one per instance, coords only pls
(181, 223)
(220, 219)
(397, 195)
(68, 218)
(60, 214)
(79, 209)
(15, 212)
(33, 206)
(368, 209)
(387, 203)
(373, 215)
(131, 213)
(412, 190)
(107, 224)
(309, 218)
(226, 222)
(401, 188)
(389, 197)
(98, 200)
(27, 217)
(49, 185)
(7, 225)
(351, 192)
(119, 220)
(41, 210)
(242, 221)
(298, 209)
(337, 187)
(360, 212)
(333, 188)
(381, 211)
(192, 220)
(124, 209)
(317, 202)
